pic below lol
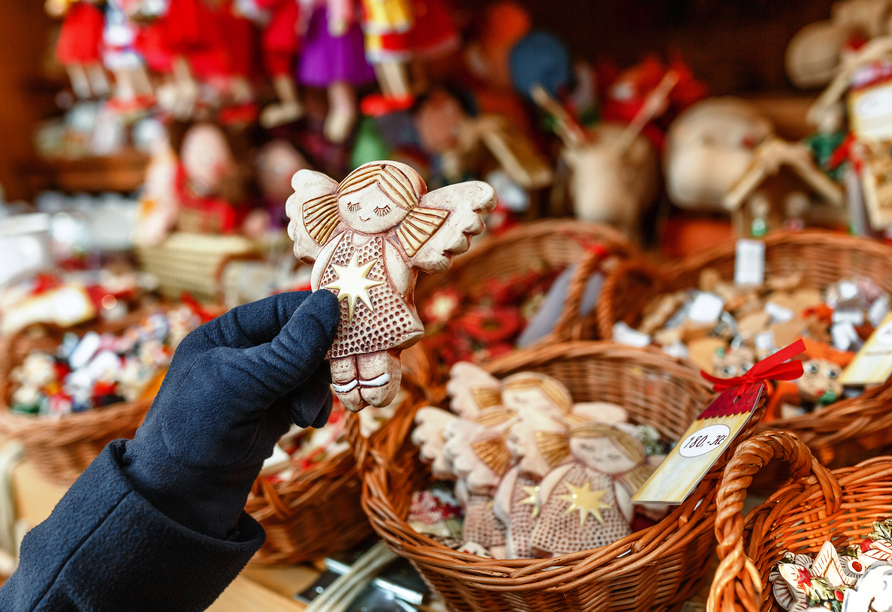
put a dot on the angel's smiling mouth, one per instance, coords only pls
(363, 216)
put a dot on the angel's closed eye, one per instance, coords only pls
(352, 206)
(382, 211)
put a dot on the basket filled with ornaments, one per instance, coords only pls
(516, 288)
(513, 492)
(728, 307)
(822, 541)
(67, 392)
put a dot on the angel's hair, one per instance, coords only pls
(552, 389)
(493, 452)
(402, 188)
(626, 442)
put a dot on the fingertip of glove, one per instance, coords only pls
(324, 306)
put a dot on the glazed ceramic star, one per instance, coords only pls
(586, 501)
(353, 283)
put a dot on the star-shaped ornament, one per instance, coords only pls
(532, 500)
(353, 283)
(586, 501)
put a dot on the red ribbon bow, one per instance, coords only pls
(773, 367)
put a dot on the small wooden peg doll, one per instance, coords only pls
(332, 57)
(79, 46)
(369, 237)
(587, 503)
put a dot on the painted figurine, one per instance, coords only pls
(369, 236)
(587, 503)
(79, 46)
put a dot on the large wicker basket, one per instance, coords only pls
(844, 432)
(818, 505)
(654, 569)
(552, 244)
(62, 448)
(317, 511)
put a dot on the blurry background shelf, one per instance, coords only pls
(124, 173)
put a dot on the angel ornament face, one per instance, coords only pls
(368, 237)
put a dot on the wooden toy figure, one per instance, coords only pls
(79, 45)
(587, 503)
(369, 236)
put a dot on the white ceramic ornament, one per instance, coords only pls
(368, 238)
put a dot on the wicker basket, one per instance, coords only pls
(552, 244)
(191, 263)
(63, 448)
(818, 505)
(654, 569)
(844, 432)
(318, 512)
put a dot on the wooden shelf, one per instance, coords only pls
(123, 173)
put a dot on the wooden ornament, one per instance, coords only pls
(368, 237)
(429, 436)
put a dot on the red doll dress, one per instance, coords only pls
(433, 31)
(386, 24)
(151, 44)
(192, 30)
(80, 39)
(279, 41)
(241, 41)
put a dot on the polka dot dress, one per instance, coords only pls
(557, 532)
(389, 324)
(481, 524)
(521, 518)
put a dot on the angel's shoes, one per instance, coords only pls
(280, 114)
(381, 390)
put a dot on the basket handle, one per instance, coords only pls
(737, 584)
(570, 317)
(650, 279)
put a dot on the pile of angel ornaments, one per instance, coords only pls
(857, 578)
(535, 474)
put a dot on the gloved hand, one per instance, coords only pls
(234, 386)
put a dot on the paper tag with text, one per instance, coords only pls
(873, 363)
(700, 446)
(749, 263)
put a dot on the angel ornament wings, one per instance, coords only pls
(368, 237)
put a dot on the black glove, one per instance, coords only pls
(234, 386)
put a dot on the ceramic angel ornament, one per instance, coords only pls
(368, 238)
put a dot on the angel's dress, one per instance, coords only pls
(522, 520)
(390, 323)
(481, 524)
(559, 532)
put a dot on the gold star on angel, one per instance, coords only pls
(586, 501)
(532, 500)
(353, 283)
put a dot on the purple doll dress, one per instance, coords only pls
(326, 59)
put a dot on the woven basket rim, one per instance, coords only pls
(562, 573)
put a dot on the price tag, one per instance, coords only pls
(873, 363)
(749, 263)
(778, 313)
(701, 446)
(706, 308)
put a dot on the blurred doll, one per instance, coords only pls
(332, 57)
(587, 503)
(209, 182)
(79, 45)
(279, 20)
(386, 25)
(120, 54)
(159, 201)
(277, 162)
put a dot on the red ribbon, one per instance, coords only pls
(773, 367)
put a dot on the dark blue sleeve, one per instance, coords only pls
(106, 548)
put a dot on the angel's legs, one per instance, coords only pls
(365, 380)
(379, 377)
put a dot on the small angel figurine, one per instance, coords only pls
(368, 238)
(587, 503)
